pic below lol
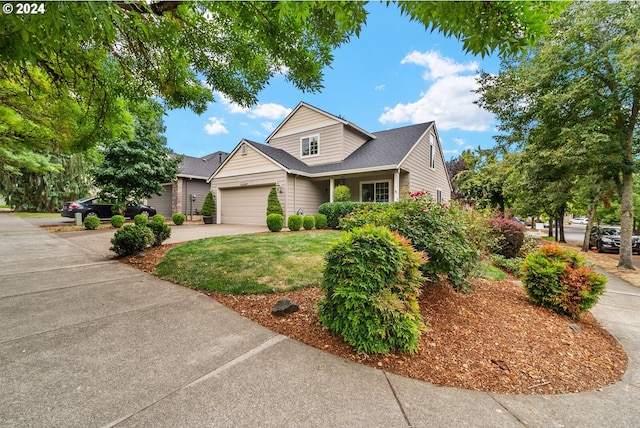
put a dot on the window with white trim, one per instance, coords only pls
(309, 146)
(438, 195)
(375, 191)
(432, 152)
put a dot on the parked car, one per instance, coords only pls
(579, 220)
(607, 239)
(91, 207)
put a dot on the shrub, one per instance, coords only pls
(140, 220)
(275, 222)
(341, 193)
(558, 279)
(118, 208)
(178, 219)
(158, 218)
(117, 221)
(512, 265)
(131, 240)
(321, 221)
(509, 234)
(161, 231)
(334, 211)
(273, 203)
(308, 222)
(438, 231)
(91, 222)
(208, 205)
(294, 222)
(371, 286)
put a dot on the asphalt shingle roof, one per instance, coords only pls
(201, 167)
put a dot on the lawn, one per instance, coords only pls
(248, 264)
(36, 215)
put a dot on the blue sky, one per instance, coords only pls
(395, 74)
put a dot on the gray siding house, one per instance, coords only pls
(186, 194)
(312, 151)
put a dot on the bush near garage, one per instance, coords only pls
(275, 222)
(117, 221)
(294, 222)
(308, 222)
(161, 230)
(558, 279)
(91, 222)
(131, 240)
(273, 203)
(178, 219)
(371, 285)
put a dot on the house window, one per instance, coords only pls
(432, 152)
(375, 191)
(439, 195)
(309, 146)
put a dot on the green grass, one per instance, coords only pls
(491, 272)
(36, 215)
(249, 264)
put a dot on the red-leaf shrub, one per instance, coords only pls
(509, 234)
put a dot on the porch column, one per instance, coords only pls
(396, 186)
(332, 183)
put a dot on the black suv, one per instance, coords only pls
(607, 239)
(89, 207)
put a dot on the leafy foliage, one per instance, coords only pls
(308, 222)
(341, 193)
(275, 222)
(91, 222)
(131, 240)
(294, 222)
(558, 279)
(117, 221)
(438, 231)
(178, 219)
(334, 211)
(510, 236)
(321, 221)
(273, 203)
(140, 220)
(208, 205)
(371, 285)
(161, 231)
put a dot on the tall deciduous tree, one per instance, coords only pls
(135, 169)
(576, 98)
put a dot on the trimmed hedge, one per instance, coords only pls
(321, 221)
(334, 211)
(140, 220)
(178, 219)
(294, 222)
(91, 222)
(308, 222)
(275, 222)
(117, 221)
(131, 240)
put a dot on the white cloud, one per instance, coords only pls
(449, 99)
(460, 141)
(269, 111)
(268, 126)
(379, 88)
(215, 126)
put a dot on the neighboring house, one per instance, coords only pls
(186, 194)
(313, 151)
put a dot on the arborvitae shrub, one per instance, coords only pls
(294, 222)
(371, 286)
(208, 205)
(308, 222)
(131, 240)
(178, 219)
(341, 193)
(273, 203)
(321, 221)
(91, 222)
(275, 222)
(558, 279)
(117, 221)
(140, 220)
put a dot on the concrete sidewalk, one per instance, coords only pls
(90, 342)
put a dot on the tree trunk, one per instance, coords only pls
(626, 221)
(587, 232)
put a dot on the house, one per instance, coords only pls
(186, 194)
(312, 151)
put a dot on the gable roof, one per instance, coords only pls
(386, 150)
(204, 167)
(316, 109)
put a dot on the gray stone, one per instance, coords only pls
(284, 306)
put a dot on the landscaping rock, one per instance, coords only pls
(283, 307)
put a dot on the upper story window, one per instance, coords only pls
(309, 146)
(432, 152)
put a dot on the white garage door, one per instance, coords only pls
(245, 205)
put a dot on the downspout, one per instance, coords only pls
(396, 185)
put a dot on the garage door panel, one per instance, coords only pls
(245, 205)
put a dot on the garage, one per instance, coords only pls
(162, 203)
(244, 205)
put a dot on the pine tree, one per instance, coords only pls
(273, 204)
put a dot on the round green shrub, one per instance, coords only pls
(91, 222)
(117, 221)
(209, 205)
(140, 220)
(321, 221)
(294, 222)
(158, 218)
(308, 222)
(178, 219)
(161, 231)
(341, 193)
(275, 222)
(273, 203)
(557, 279)
(131, 240)
(371, 285)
